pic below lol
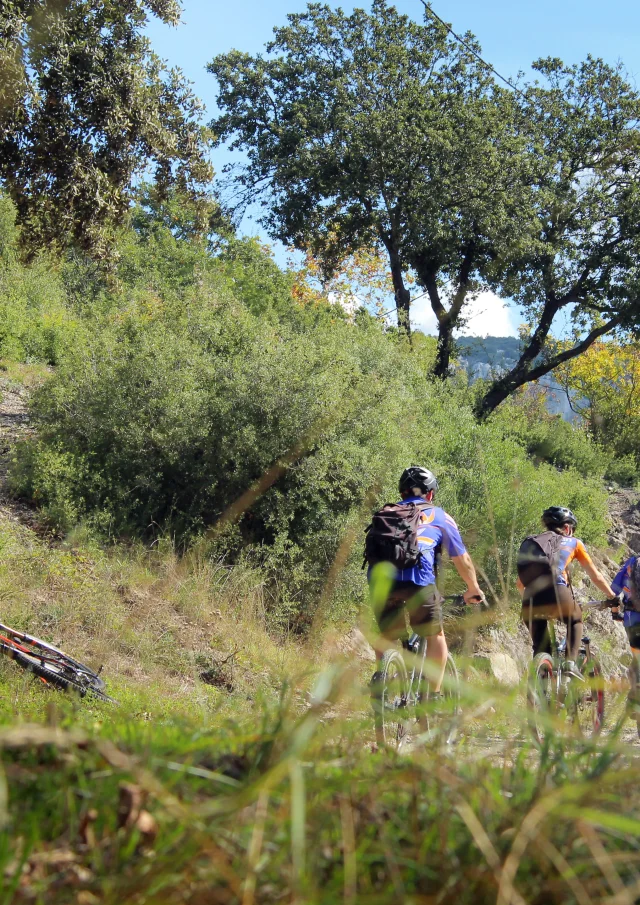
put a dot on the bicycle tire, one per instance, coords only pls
(588, 699)
(541, 696)
(444, 723)
(50, 649)
(51, 664)
(451, 691)
(389, 689)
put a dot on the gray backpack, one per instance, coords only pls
(537, 561)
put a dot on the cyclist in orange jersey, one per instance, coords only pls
(544, 562)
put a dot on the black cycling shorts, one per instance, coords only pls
(422, 604)
(633, 634)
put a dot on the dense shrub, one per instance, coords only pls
(35, 323)
(173, 410)
(186, 376)
(548, 437)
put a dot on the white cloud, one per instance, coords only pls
(486, 315)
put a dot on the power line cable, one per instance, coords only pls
(431, 12)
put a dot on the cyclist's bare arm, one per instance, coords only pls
(466, 571)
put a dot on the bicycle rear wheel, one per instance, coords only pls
(587, 698)
(443, 721)
(389, 691)
(541, 696)
(51, 664)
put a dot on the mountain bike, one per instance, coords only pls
(400, 697)
(52, 666)
(552, 693)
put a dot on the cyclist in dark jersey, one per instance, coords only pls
(549, 595)
(415, 588)
(627, 584)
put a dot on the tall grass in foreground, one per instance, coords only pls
(297, 805)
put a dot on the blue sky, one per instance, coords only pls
(512, 35)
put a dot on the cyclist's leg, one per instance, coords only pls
(571, 613)
(536, 622)
(391, 621)
(425, 616)
(633, 634)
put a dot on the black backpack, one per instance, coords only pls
(537, 557)
(392, 535)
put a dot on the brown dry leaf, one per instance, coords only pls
(131, 814)
(87, 832)
(130, 804)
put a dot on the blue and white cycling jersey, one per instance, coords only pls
(621, 584)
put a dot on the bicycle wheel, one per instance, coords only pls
(451, 692)
(389, 690)
(541, 696)
(441, 722)
(51, 664)
(586, 699)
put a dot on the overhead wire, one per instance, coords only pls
(431, 12)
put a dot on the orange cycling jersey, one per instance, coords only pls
(570, 548)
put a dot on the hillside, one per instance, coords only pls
(484, 357)
(227, 704)
(243, 758)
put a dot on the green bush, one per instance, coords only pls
(173, 409)
(549, 438)
(624, 470)
(35, 323)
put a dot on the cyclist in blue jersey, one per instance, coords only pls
(415, 588)
(627, 583)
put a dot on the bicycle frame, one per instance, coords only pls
(419, 658)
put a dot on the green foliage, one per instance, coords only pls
(372, 130)
(550, 438)
(215, 395)
(35, 323)
(86, 108)
(624, 470)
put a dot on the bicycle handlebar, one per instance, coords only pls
(601, 604)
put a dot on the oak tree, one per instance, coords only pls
(373, 130)
(574, 267)
(85, 109)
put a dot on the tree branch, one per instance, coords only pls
(522, 374)
(574, 351)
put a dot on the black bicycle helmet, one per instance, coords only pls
(416, 476)
(557, 516)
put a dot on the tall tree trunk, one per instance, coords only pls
(448, 319)
(444, 349)
(401, 295)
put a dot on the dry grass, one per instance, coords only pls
(155, 622)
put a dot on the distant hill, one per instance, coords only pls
(488, 356)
